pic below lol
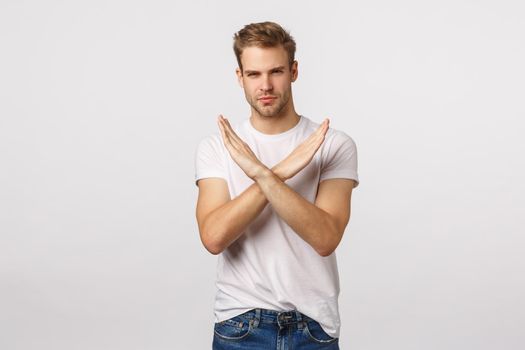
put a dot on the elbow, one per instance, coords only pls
(327, 247)
(329, 242)
(211, 243)
(209, 238)
(324, 252)
(214, 250)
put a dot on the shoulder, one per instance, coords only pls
(213, 143)
(213, 140)
(210, 147)
(332, 135)
(339, 138)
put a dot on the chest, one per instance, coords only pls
(270, 154)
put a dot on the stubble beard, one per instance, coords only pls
(272, 110)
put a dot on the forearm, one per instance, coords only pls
(311, 223)
(226, 224)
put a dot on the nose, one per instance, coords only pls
(266, 84)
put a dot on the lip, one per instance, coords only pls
(267, 98)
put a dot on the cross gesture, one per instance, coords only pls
(299, 158)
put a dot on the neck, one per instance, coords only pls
(275, 124)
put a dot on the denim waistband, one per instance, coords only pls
(281, 318)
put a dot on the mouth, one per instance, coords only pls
(267, 99)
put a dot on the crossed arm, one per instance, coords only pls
(321, 224)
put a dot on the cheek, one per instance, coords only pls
(248, 86)
(250, 92)
(285, 82)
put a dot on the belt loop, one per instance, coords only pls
(299, 319)
(257, 318)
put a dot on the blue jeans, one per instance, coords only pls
(263, 329)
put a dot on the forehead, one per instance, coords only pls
(263, 58)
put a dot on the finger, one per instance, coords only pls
(231, 131)
(320, 135)
(233, 145)
(326, 125)
(323, 125)
(314, 136)
(227, 133)
(219, 124)
(321, 130)
(234, 138)
(225, 136)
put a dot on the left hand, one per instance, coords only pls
(240, 152)
(302, 155)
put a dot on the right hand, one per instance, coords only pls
(239, 150)
(302, 155)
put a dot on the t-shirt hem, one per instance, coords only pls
(208, 175)
(341, 175)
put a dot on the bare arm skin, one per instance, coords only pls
(321, 224)
(222, 220)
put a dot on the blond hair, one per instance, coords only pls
(264, 35)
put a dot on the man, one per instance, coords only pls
(274, 201)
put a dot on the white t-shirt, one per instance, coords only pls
(270, 266)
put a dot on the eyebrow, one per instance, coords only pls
(247, 71)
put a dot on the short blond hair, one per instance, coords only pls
(264, 34)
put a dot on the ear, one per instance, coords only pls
(295, 71)
(239, 77)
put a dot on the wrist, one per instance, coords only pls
(277, 171)
(263, 173)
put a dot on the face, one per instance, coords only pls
(267, 80)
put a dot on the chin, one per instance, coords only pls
(267, 114)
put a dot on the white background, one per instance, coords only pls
(102, 104)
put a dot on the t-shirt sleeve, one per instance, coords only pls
(209, 159)
(339, 158)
